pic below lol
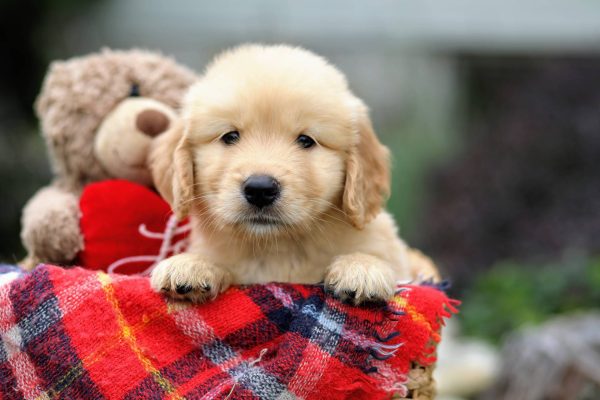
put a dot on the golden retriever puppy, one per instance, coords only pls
(278, 167)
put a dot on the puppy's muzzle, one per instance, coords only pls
(261, 190)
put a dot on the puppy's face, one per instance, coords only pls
(264, 171)
(271, 141)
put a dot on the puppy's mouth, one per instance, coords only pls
(261, 223)
(263, 220)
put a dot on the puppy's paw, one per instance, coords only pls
(189, 277)
(360, 278)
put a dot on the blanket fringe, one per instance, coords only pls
(368, 386)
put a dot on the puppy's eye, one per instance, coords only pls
(134, 91)
(305, 141)
(230, 137)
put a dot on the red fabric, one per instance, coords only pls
(79, 334)
(112, 213)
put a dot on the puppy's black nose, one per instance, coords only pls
(261, 190)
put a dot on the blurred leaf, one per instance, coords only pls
(511, 295)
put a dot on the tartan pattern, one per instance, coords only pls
(80, 334)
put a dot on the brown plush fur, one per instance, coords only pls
(79, 98)
(78, 94)
(328, 223)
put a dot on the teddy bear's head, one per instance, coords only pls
(99, 113)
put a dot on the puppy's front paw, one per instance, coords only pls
(360, 278)
(189, 277)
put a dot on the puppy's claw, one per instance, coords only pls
(350, 294)
(188, 277)
(183, 289)
(360, 278)
(206, 287)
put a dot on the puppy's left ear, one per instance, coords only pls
(367, 184)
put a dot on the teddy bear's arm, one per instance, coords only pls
(50, 227)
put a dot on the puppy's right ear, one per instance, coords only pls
(172, 167)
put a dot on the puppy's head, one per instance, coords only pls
(272, 138)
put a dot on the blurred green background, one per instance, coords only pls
(491, 108)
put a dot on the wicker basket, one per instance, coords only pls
(421, 385)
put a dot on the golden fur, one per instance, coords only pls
(329, 223)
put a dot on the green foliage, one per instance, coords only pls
(511, 295)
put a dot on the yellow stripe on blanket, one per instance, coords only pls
(129, 336)
(403, 304)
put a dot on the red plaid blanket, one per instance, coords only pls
(80, 334)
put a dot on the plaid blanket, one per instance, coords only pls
(80, 334)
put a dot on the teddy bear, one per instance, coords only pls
(98, 115)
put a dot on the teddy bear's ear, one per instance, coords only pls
(67, 126)
(172, 169)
